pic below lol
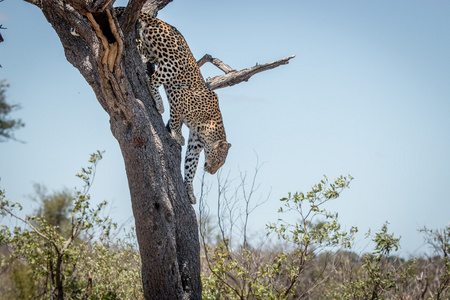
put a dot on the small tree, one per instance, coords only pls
(316, 232)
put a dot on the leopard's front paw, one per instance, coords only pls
(191, 195)
(178, 137)
(160, 107)
(157, 97)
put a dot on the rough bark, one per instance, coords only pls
(166, 225)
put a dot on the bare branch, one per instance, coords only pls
(235, 77)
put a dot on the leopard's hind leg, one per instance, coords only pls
(178, 97)
(195, 146)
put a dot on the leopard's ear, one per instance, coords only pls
(222, 145)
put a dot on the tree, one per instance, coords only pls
(7, 125)
(105, 53)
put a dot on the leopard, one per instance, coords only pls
(191, 101)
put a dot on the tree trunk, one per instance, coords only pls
(166, 225)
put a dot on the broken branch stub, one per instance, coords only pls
(215, 61)
(152, 7)
(233, 76)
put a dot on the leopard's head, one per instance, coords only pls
(215, 155)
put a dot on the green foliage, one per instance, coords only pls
(7, 125)
(17, 284)
(254, 274)
(377, 274)
(313, 258)
(78, 262)
(69, 250)
(316, 227)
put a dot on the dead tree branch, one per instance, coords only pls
(232, 76)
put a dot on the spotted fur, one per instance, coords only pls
(191, 101)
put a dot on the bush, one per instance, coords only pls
(68, 251)
(83, 261)
(312, 258)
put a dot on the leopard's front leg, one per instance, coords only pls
(156, 96)
(195, 146)
(154, 81)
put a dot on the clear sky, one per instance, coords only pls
(367, 95)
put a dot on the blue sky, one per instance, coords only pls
(368, 95)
